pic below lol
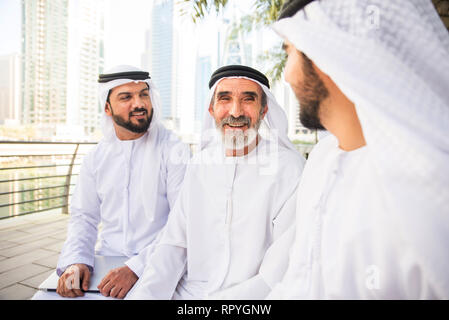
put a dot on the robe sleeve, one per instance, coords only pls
(275, 261)
(79, 246)
(176, 156)
(137, 262)
(166, 261)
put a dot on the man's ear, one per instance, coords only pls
(107, 109)
(265, 110)
(211, 110)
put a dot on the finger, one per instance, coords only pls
(62, 289)
(59, 291)
(74, 281)
(122, 293)
(75, 291)
(114, 291)
(103, 282)
(66, 292)
(85, 279)
(106, 289)
(59, 287)
(70, 294)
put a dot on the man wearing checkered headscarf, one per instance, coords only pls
(373, 204)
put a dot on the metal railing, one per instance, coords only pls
(36, 174)
(31, 174)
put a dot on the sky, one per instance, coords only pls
(10, 17)
(125, 24)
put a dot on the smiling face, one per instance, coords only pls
(237, 110)
(130, 107)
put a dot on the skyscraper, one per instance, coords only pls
(44, 62)
(203, 73)
(162, 70)
(61, 56)
(85, 62)
(9, 89)
(170, 58)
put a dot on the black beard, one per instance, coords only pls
(143, 125)
(310, 98)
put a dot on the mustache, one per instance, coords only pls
(138, 110)
(239, 121)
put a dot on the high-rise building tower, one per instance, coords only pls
(170, 58)
(162, 67)
(85, 62)
(62, 54)
(202, 76)
(44, 63)
(9, 89)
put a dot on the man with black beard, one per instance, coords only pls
(128, 182)
(372, 213)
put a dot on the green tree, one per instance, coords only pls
(265, 13)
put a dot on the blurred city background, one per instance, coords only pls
(53, 51)
(50, 57)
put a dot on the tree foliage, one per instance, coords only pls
(198, 9)
(265, 13)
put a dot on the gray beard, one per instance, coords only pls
(238, 139)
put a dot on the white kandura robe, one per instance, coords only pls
(109, 191)
(350, 244)
(218, 235)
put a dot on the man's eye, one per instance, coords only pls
(224, 98)
(125, 97)
(145, 94)
(249, 99)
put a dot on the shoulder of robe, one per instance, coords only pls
(323, 146)
(91, 156)
(291, 162)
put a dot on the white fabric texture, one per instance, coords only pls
(391, 58)
(129, 186)
(230, 212)
(109, 191)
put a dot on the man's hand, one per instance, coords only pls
(74, 278)
(118, 282)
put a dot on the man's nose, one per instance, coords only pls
(236, 109)
(138, 102)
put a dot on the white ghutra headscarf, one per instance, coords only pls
(391, 58)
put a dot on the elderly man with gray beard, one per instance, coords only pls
(236, 204)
